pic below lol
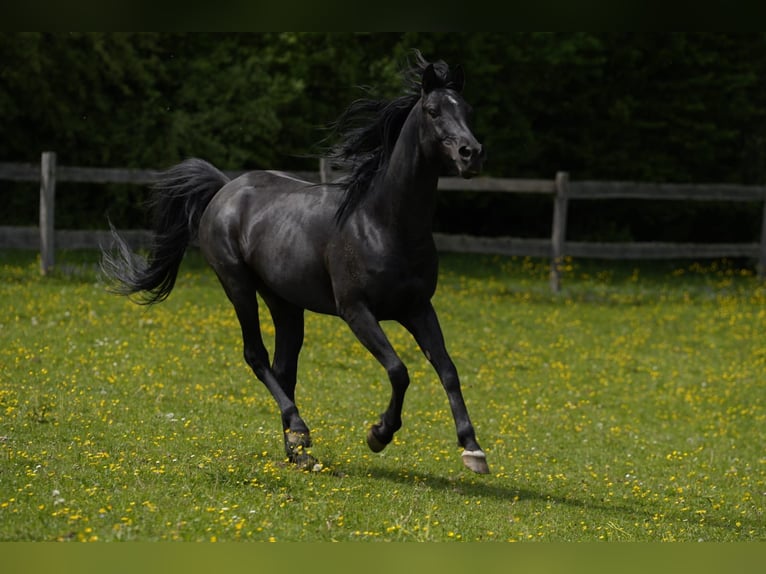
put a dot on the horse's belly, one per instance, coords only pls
(394, 300)
(301, 281)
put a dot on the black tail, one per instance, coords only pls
(181, 194)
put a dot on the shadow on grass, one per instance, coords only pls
(466, 485)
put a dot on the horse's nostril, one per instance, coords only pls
(465, 152)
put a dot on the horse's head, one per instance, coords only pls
(445, 128)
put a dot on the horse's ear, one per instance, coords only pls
(429, 81)
(458, 78)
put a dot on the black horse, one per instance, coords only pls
(361, 249)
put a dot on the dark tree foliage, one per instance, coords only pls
(676, 107)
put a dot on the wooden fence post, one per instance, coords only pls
(762, 258)
(47, 211)
(559, 229)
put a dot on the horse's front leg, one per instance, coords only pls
(425, 327)
(366, 328)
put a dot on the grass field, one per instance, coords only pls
(632, 406)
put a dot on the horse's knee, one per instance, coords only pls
(399, 377)
(450, 379)
(258, 359)
(287, 380)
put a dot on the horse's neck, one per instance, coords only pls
(405, 195)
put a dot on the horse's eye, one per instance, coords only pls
(433, 112)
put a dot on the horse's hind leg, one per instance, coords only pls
(241, 289)
(288, 340)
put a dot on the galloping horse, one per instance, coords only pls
(361, 249)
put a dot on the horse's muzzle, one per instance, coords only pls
(470, 159)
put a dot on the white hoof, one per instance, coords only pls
(476, 461)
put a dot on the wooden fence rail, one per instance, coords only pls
(561, 190)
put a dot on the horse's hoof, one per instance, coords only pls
(373, 442)
(296, 445)
(476, 460)
(297, 440)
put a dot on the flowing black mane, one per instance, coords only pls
(368, 130)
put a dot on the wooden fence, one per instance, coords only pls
(561, 190)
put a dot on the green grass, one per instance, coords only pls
(631, 406)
